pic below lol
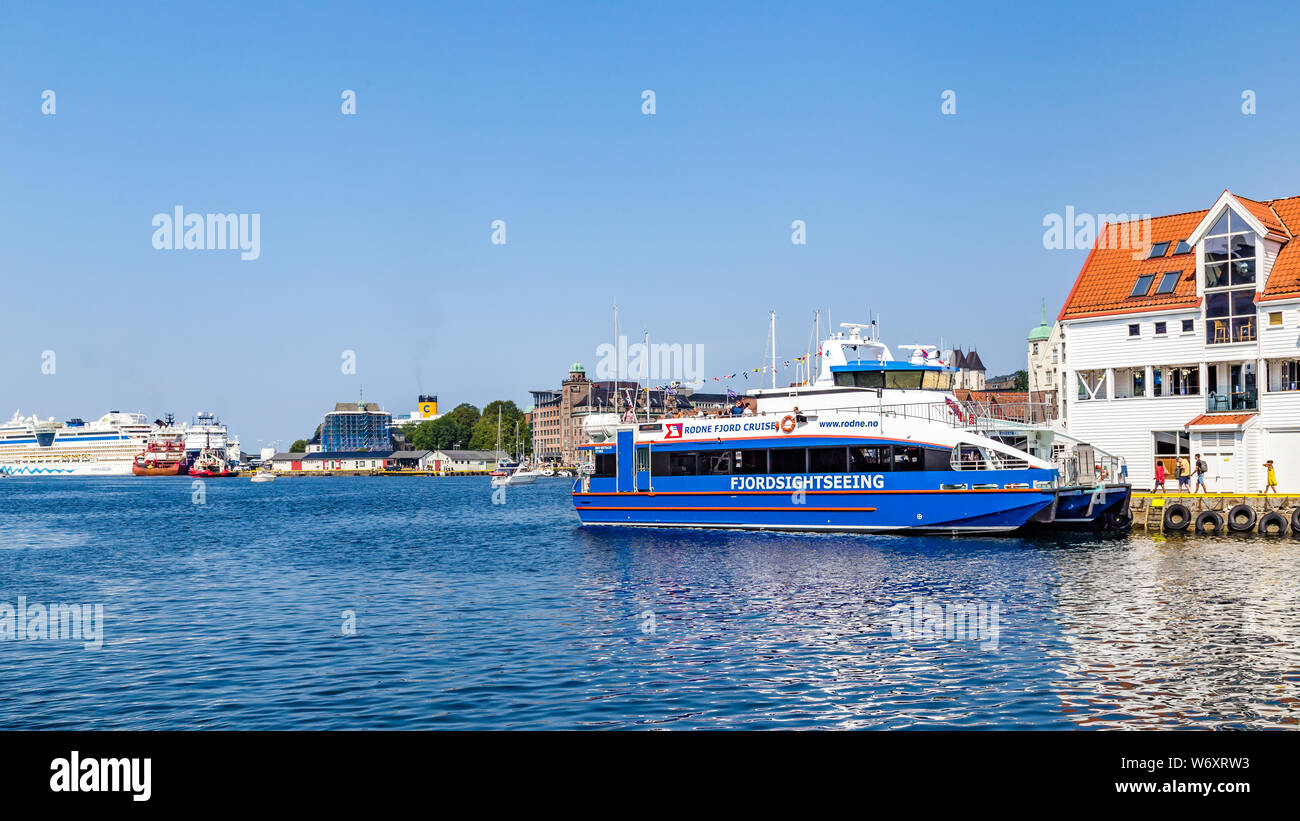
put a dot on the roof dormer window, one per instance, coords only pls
(1182, 248)
(1158, 250)
(1142, 286)
(1168, 281)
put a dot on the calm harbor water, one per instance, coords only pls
(233, 614)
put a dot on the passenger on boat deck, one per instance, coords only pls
(738, 409)
(799, 417)
(748, 411)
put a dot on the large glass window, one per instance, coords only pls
(903, 379)
(750, 462)
(827, 460)
(683, 463)
(1229, 258)
(606, 464)
(908, 457)
(789, 460)
(869, 459)
(1284, 375)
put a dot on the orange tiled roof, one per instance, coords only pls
(1221, 419)
(1109, 274)
(1264, 212)
(1284, 279)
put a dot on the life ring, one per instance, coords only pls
(787, 428)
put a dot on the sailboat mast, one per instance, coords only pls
(772, 334)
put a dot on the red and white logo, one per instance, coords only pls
(673, 430)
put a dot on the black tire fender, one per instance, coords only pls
(1241, 518)
(1295, 521)
(1209, 522)
(1120, 518)
(1177, 516)
(1272, 524)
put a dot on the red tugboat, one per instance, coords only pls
(211, 462)
(163, 454)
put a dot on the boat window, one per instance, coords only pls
(661, 463)
(908, 457)
(968, 457)
(715, 463)
(869, 460)
(748, 462)
(682, 463)
(937, 459)
(789, 460)
(827, 460)
(903, 380)
(936, 380)
(844, 380)
(869, 379)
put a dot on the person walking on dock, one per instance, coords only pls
(1160, 478)
(1201, 469)
(1271, 478)
(1180, 472)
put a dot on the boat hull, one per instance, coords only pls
(994, 511)
(167, 470)
(122, 468)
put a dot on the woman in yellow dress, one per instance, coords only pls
(1272, 477)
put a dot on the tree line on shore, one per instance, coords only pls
(465, 427)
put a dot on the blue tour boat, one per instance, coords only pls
(873, 445)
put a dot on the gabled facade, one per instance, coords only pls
(1190, 344)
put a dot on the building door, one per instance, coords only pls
(1219, 449)
(1283, 447)
(643, 467)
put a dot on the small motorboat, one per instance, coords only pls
(263, 476)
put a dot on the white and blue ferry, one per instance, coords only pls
(873, 445)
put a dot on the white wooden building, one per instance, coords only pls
(1190, 344)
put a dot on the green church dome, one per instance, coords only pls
(1043, 331)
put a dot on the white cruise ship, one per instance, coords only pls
(106, 447)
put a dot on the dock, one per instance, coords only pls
(1268, 514)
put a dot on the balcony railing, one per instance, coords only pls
(1232, 401)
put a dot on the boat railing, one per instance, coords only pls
(970, 414)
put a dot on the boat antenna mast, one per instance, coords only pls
(772, 336)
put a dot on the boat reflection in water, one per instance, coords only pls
(1180, 632)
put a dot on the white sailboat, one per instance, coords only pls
(509, 472)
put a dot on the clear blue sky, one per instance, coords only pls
(375, 232)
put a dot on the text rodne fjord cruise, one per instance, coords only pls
(874, 444)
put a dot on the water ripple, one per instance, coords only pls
(231, 615)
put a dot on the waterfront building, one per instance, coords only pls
(1190, 343)
(558, 416)
(1006, 382)
(1046, 361)
(356, 426)
(970, 370)
(466, 461)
